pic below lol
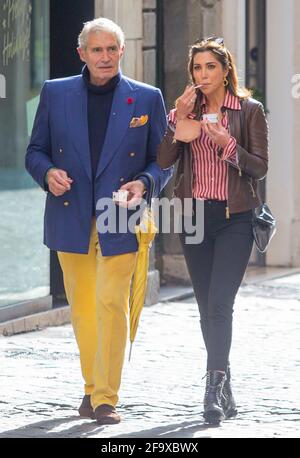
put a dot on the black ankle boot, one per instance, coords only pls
(228, 401)
(213, 410)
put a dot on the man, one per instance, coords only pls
(94, 134)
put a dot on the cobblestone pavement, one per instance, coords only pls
(162, 387)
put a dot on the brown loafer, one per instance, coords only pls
(107, 415)
(86, 409)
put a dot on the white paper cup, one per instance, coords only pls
(120, 196)
(211, 117)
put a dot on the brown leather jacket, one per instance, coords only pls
(249, 127)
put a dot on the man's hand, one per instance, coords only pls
(58, 182)
(216, 132)
(135, 190)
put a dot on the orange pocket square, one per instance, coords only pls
(139, 122)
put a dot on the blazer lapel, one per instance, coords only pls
(120, 116)
(77, 119)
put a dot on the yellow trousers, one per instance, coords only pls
(98, 290)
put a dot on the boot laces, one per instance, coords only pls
(217, 389)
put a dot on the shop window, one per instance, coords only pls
(24, 65)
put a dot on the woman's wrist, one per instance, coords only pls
(181, 117)
(226, 142)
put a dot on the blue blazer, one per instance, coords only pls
(60, 139)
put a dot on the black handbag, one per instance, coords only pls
(263, 222)
(264, 226)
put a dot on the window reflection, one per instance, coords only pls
(24, 63)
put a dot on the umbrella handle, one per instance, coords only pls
(131, 343)
(152, 186)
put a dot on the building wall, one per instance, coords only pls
(233, 17)
(129, 16)
(24, 64)
(295, 230)
(283, 185)
(138, 20)
(150, 41)
(194, 19)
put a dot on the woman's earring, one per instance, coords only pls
(226, 82)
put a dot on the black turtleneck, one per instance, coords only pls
(99, 107)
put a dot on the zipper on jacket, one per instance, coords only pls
(227, 212)
(240, 174)
(252, 189)
(240, 171)
(237, 162)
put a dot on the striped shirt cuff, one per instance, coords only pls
(229, 152)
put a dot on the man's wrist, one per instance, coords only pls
(47, 174)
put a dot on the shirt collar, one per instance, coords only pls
(231, 101)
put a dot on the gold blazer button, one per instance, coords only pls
(66, 203)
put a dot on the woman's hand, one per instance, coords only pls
(186, 102)
(187, 130)
(216, 132)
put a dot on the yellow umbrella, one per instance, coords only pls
(145, 234)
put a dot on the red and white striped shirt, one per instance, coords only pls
(210, 171)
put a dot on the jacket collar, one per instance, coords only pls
(123, 105)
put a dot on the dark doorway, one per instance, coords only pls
(66, 22)
(256, 47)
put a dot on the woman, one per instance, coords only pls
(220, 164)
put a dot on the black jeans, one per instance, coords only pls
(216, 267)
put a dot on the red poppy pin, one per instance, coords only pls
(130, 101)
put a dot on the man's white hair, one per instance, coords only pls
(101, 25)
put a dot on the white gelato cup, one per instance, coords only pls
(211, 117)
